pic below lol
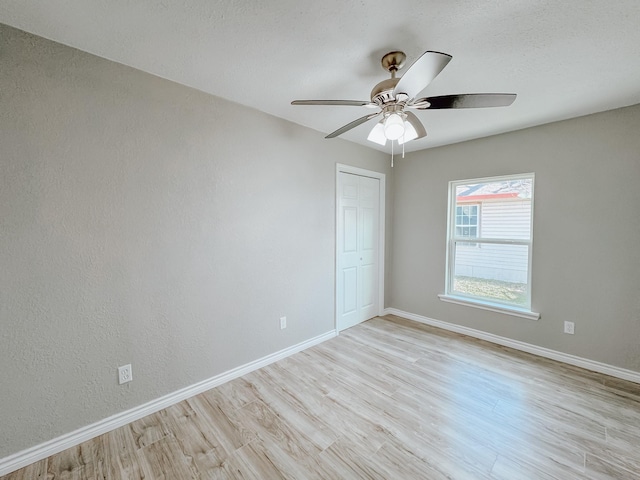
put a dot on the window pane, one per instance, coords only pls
(506, 207)
(494, 272)
(467, 221)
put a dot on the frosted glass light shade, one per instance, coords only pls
(377, 134)
(409, 133)
(393, 127)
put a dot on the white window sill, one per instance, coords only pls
(493, 307)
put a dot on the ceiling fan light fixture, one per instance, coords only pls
(377, 134)
(394, 126)
(409, 133)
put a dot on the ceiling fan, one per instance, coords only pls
(395, 96)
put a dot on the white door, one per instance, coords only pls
(357, 249)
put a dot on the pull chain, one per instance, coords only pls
(391, 153)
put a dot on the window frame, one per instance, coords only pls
(453, 296)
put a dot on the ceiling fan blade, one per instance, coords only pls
(416, 124)
(421, 73)
(353, 124)
(348, 103)
(468, 100)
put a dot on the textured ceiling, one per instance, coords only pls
(563, 59)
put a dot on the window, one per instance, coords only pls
(493, 270)
(467, 221)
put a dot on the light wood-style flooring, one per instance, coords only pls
(387, 399)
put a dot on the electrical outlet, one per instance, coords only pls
(569, 328)
(125, 374)
(283, 323)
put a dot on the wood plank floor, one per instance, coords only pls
(387, 399)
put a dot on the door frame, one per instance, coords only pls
(342, 168)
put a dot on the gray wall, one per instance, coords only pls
(586, 255)
(144, 222)
(148, 223)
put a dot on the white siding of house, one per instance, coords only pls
(509, 263)
(506, 219)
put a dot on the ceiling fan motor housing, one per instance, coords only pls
(382, 92)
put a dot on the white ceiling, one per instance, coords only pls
(563, 58)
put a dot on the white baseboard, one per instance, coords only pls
(39, 452)
(522, 346)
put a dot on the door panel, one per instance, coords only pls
(350, 296)
(350, 229)
(357, 249)
(367, 287)
(369, 236)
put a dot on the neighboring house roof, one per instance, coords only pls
(520, 188)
